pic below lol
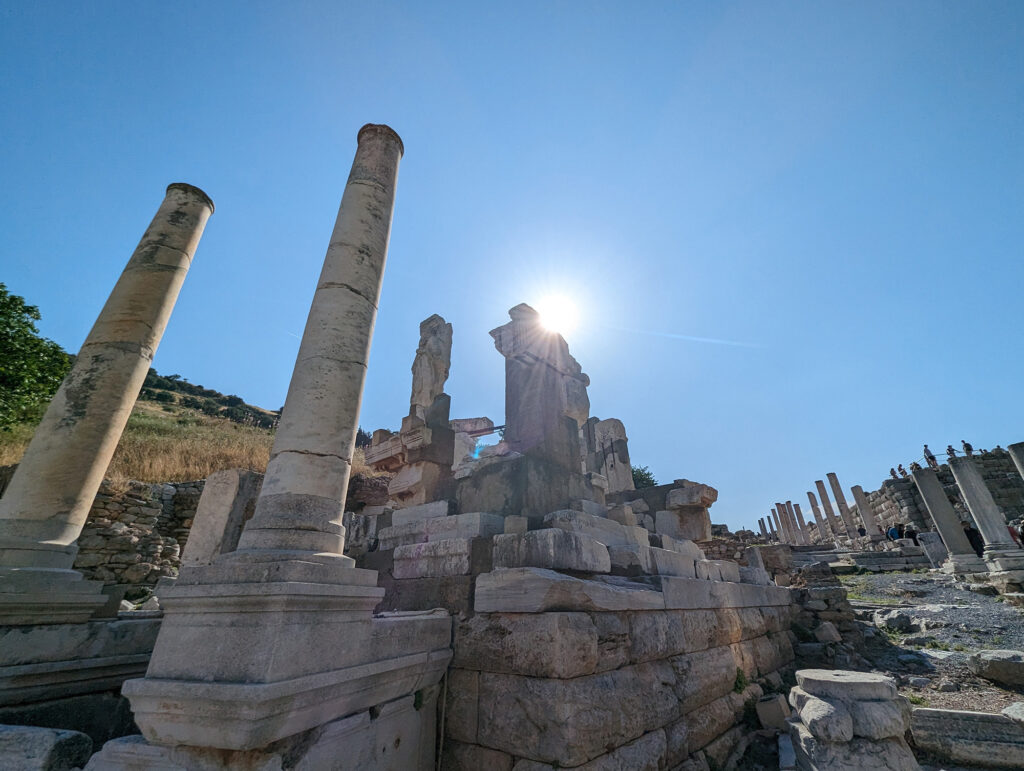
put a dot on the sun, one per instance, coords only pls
(558, 314)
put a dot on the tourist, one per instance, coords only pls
(892, 473)
(950, 451)
(892, 533)
(968, 449)
(975, 539)
(930, 458)
(903, 471)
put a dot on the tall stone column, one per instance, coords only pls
(1001, 553)
(844, 510)
(1017, 453)
(800, 521)
(826, 532)
(962, 558)
(49, 497)
(866, 512)
(300, 507)
(837, 527)
(761, 527)
(279, 637)
(798, 524)
(787, 534)
(773, 525)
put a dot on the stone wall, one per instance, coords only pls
(640, 690)
(731, 549)
(898, 501)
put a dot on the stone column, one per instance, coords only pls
(798, 523)
(825, 532)
(1017, 453)
(49, 497)
(783, 525)
(844, 510)
(794, 532)
(761, 527)
(300, 507)
(866, 512)
(834, 524)
(773, 525)
(1001, 552)
(962, 558)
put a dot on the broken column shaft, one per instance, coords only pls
(300, 507)
(962, 557)
(834, 524)
(844, 510)
(49, 497)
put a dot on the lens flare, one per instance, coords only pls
(558, 313)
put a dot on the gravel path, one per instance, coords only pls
(940, 623)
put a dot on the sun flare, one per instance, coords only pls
(558, 313)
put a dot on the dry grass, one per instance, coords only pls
(175, 446)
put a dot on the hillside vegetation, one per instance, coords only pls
(180, 433)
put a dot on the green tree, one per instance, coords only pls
(31, 367)
(642, 477)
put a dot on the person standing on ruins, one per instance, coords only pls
(968, 449)
(903, 471)
(930, 459)
(950, 451)
(892, 473)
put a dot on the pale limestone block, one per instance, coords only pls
(515, 524)
(655, 636)
(472, 757)
(704, 677)
(606, 531)
(593, 508)
(227, 498)
(707, 570)
(516, 715)
(558, 645)
(880, 719)
(639, 506)
(827, 633)
(623, 514)
(845, 685)
(435, 559)
(971, 738)
(683, 546)
(691, 495)
(394, 536)
(421, 512)
(687, 593)
(998, 666)
(632, 559)
(26, 748)
(472, 525)
(551, 548)
(535, 590)
(461, 712)
(856, 755)
(728, 571)
(670, 563)
(772, 711)
(710, 721)
(829, 721)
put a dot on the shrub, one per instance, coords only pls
(642, 477)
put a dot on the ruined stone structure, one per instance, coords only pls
(578, 619)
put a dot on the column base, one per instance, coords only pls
(962, 564)
(254, 651)
(1004, 557)
(33, 596)
(396, 734)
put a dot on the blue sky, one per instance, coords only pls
(836, 185)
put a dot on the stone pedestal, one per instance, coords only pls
(962, 558)
(47, 501)
(1001, 552)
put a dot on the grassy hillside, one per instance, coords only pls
(172, 438)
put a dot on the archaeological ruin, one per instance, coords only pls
(500, 597)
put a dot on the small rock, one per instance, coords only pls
(986, 589)
(827, 632)
(947, 686)
(151, 604)
(918, 682)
